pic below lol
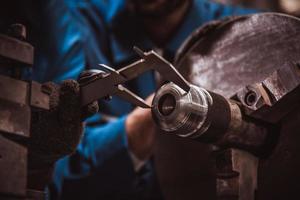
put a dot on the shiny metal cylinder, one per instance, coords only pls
(182, 113)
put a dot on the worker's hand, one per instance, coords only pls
(140, 130)
(56, 133)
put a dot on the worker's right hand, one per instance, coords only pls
(140, 129)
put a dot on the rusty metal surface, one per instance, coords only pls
(15, 111)
(17, 98)
(236, 53)
(16, 50)
(14, 119)
(185, 168)
(13, 163)
(278, 175)
(249, 48)
(275, 96)
(38, 97)
(13, 90)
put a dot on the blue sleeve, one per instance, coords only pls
(65, 44)
(101, 166)
(58, 40)
(68, 43)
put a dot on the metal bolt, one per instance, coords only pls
(250, 98)
(17, 31)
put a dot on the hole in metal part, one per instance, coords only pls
(166, 104)
(250, 98)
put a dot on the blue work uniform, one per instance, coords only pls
(77, 35)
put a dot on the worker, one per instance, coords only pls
(108, 162)
(113, 159)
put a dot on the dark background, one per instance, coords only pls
(286, 6)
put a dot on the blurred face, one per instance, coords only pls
(156, 8)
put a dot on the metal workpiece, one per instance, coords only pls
(110, 83)
(206, 117)
(181, 113)
(197, 114)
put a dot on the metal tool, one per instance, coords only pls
(17, 99)
(241, 121)
(103, 84)
(258, 53)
